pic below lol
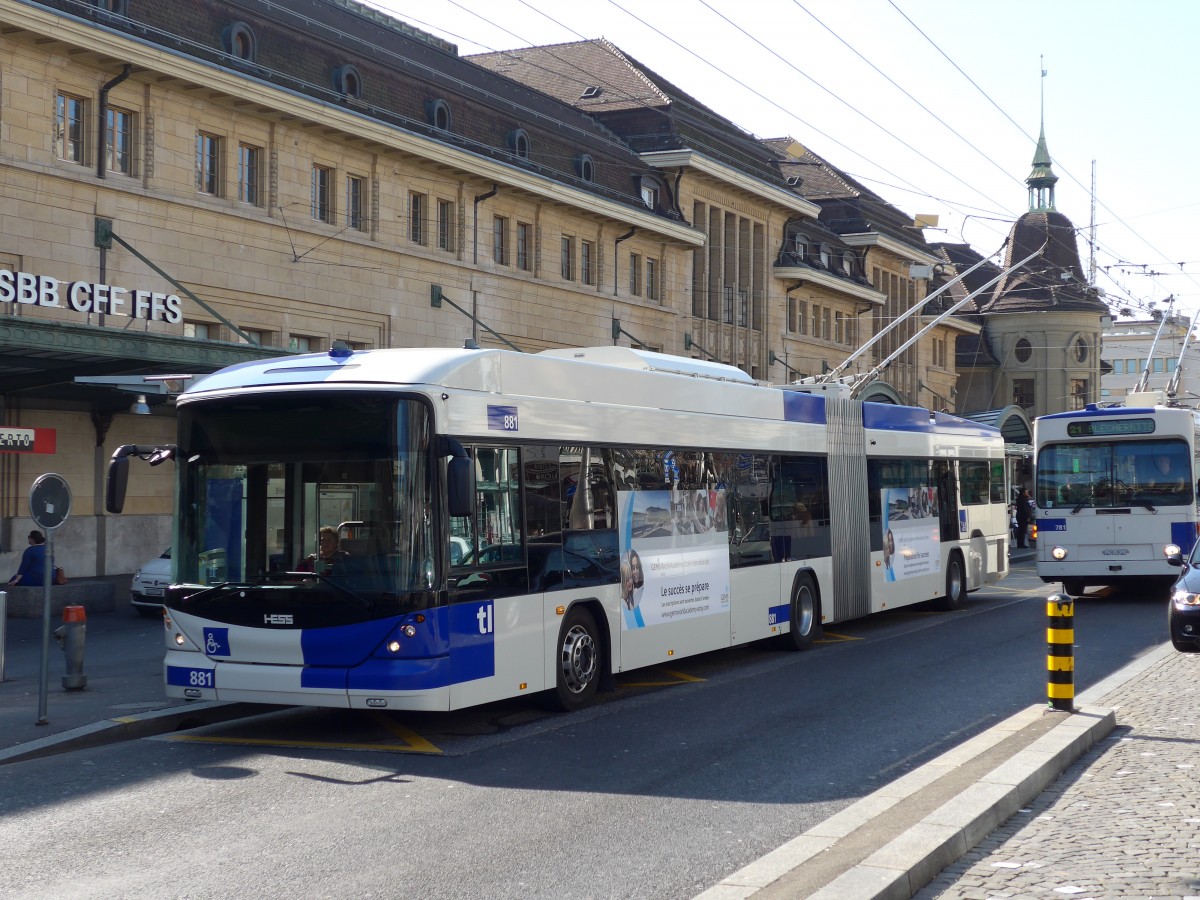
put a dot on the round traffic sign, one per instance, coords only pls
(50, 500)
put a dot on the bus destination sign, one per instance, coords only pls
(1103, 427)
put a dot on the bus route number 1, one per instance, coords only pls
(502, 418)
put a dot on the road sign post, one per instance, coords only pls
(49, 506)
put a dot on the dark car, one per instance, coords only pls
(1183, 609)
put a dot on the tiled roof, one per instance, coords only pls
(1052, 280)
(647, 110)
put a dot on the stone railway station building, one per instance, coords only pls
(184, 186)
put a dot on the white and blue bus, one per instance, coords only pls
(514, 524)
(1115, 485)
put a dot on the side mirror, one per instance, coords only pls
(1174, 555)
(118, 480)
(460, 497)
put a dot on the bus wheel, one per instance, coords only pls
(1073, 588)
(806, 614)
(578, 670)
(956, 584)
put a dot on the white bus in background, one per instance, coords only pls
(1115, 485)
(618, 509)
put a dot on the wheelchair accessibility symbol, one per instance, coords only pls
(216, 641)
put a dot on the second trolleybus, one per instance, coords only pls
(1115, 486)
(515, 524)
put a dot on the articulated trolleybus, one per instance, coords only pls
(430, 529)
(1116, 485)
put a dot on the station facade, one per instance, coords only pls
(188, 186)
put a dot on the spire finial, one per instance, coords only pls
(1042, 179)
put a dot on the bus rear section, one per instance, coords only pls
(1114, 487)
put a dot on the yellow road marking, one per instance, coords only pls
(312, 745)
(680, 678)
(836, 638)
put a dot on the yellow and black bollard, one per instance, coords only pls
(1060, 652)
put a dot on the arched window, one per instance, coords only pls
(239, 42)
(438, 114)
(585, 168)
(518, 142)
(1023, 351)
(1079, 349)
(347, 81)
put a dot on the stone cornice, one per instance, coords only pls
(891, 245)
(828, 281)
(674, 159)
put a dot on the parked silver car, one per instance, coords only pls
(149, 584)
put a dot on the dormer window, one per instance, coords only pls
(826, 255)
(239, 42)
(800, 247)
(585, 168)
(438, 114)
(117, 7)
(793, 180)
(518, 142)
(590, 93)
(348, 82)
(848, 262)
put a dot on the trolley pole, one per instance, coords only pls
(1060, 652)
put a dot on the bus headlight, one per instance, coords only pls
(1059, 552)
(1172, 550)
(1185, 598)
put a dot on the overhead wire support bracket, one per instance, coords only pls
(437, 296)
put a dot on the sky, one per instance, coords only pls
(933, 104)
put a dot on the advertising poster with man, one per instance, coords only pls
(674, 548)
(911, 535)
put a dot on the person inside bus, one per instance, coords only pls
(330, 553)
(32, 570)
(1169, 479)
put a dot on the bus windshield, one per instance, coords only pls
(1107, 474)
(328, 493)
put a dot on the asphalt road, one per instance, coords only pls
(658, 792)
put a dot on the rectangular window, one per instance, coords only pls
(256, 336)
(587, 262)
(635, 274)
(743, 308)
(1158, 365)
(208, 164)
(1079, 393)
(500, 240)
(791, 314)
(69, 128)
(249, 173)
(802, 317)
(974, 480)
(301, 343)
(322, 193)
(524, 245)
(416, 217)
(445, 224)
(119, 141)
(1118, 367)
(839, 333)
(815, 330)
(1023, 393)
(826, 331)
(567, 261)
(200, 330)
(354, 202)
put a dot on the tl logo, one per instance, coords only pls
(485, 620)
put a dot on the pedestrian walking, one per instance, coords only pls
(1024, 515)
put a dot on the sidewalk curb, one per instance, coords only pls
(916, 856)
(907, 864)
(125, 728)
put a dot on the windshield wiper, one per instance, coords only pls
(359, 600)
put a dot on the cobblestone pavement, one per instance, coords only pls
(1123, 822)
